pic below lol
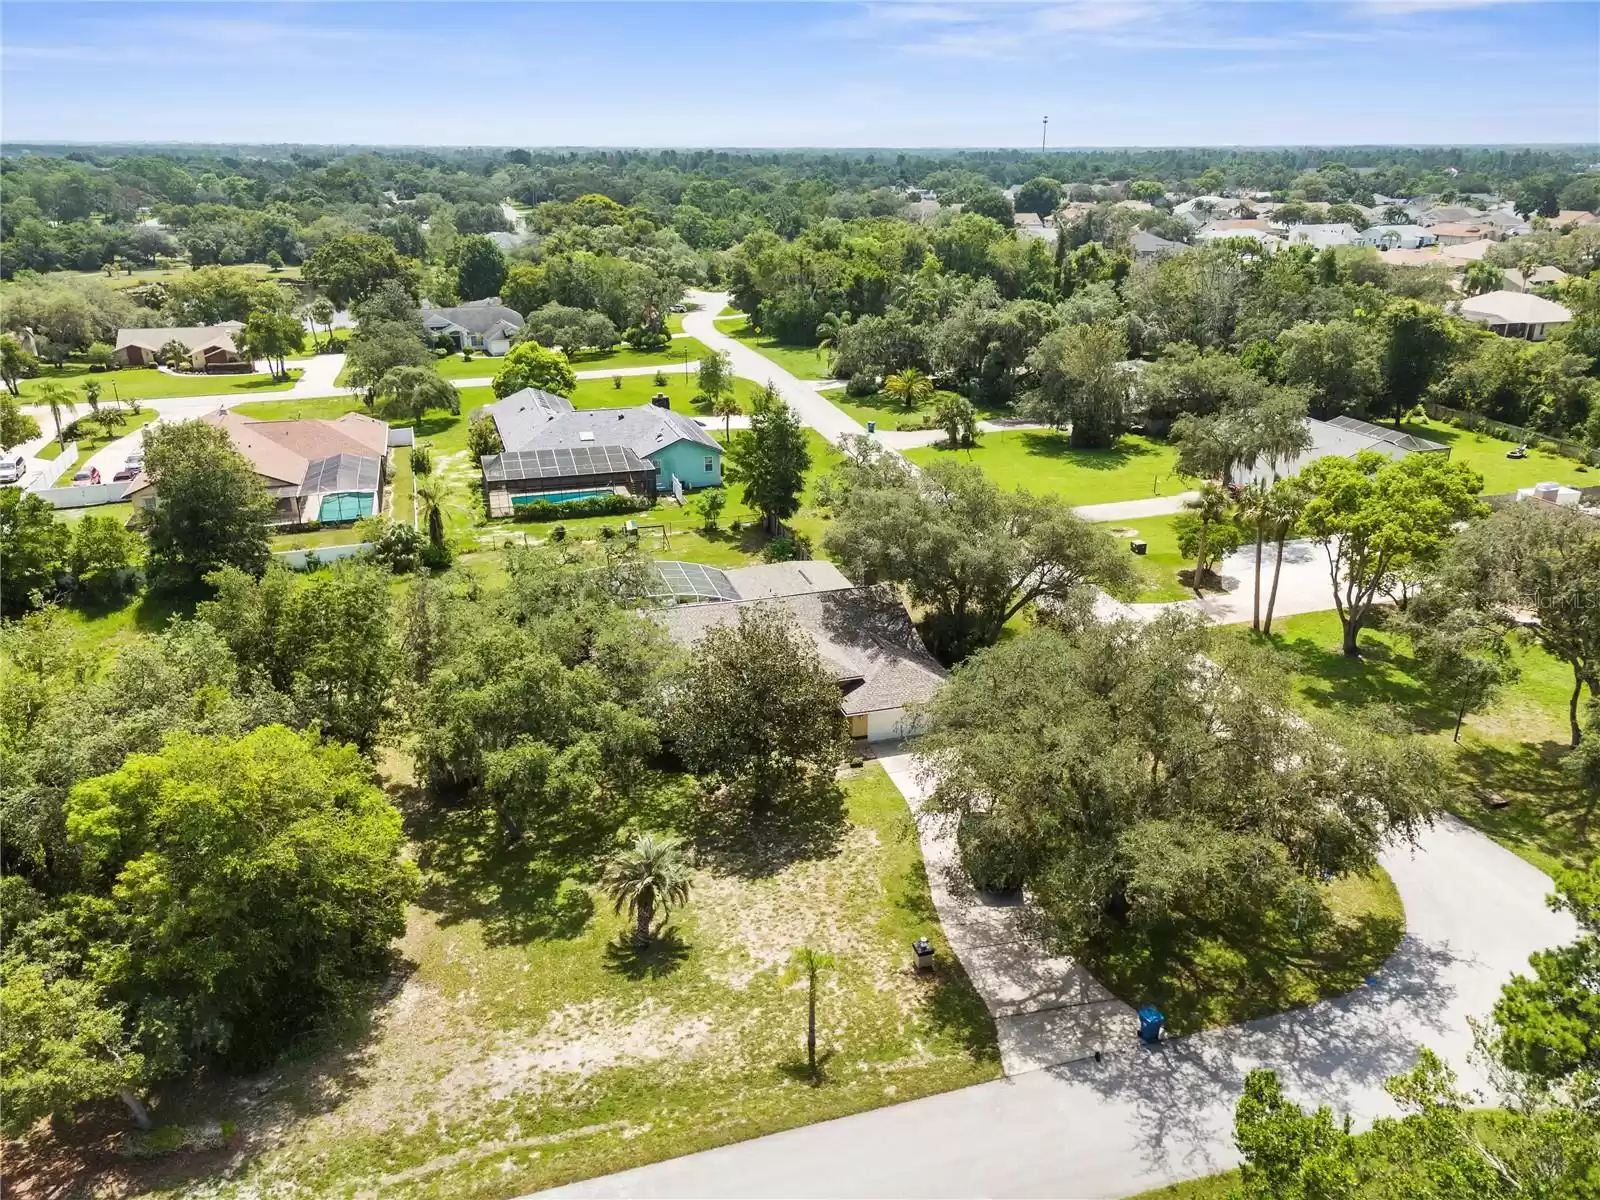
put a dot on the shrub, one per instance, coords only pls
(598, 506)
(484, 438)
(394, 545)
(861, 385)
(659, 379)
(641, 338)
(787, 547)
(435, 558)
(559, 533)
(421, 460)
(98, 356)
(616, 381)
(608, 532)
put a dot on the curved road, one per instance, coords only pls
(1147, 1117)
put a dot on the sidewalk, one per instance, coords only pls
(1048, 1009)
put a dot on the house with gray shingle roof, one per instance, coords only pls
(484, 325)
(676, 445)
(863, 635)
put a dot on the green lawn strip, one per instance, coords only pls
(91, 444)
(729, 310)
(136, 383)
(803, 362)
(340, 337)
(671, 356)
(1161, 561)
(538, 1047)
(50, 451)
(328, 535)
(1501, 475)
(1042, 461)
(141, 275)
(674, 323)
(401, 504)
(1203, 977)
(625, 391)
(889, 414)
(1513, 750)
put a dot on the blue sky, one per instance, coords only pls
(1107, 72)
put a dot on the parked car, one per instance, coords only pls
(87, 477)
(12, 467)
(124, 473)
(135, 460)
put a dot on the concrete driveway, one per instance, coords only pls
(1147, 1117)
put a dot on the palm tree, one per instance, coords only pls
(430, 499)
(810, 965)
(651, 871)
(726, 405)
(91, 393)
(1481, 277)
(1211, 506)
(321, 310)
(1287, 504)
(828, 331)
(1255, 507)
(57, 398)
(911, 387)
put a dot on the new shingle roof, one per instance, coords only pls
(478, 317)
(644, 428)
(1514, 308)
(863, 635)
(519, 414)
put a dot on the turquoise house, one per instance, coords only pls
(676, 445)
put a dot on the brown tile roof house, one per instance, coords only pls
(862, 634)
(1455, 232)
(315, 470)
(208, 345)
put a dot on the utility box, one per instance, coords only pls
(1151, 1023)
(922, 954)
(1139, 547)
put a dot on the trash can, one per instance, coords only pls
(872, 427)
(1139, 547)
(922, 954)
(1150, 1023)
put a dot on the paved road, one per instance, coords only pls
(1144, 1118)
(832, 423)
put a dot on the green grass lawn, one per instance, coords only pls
(91, 444)
(1161, 561)
(888, 413)
(1487, 456)
(143, 383)
(50, 451)
(526, 1043)
(401, 504)
(622, 356)
(1041, 461)
(340, 337)
(1514, 749)
(328, 535)
(803, 362)
(625, 391)
(1204, 978)
(142, 275)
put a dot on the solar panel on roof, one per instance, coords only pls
(563, 463)
(691, 581)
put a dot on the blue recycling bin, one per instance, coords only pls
(872, 427)
(1150, 1023)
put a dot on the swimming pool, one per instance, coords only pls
(560, 497)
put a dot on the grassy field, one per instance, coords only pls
(1514, 749)
(525, 1042)
(1041, 461)
(1161, 561)
(624, 391)
(328, 535)
(1202, 979)
(143, 383)
(803, 362)
(622, 356)
(1487, 456)
(888, 413)
(402, 505)
(142, 275)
